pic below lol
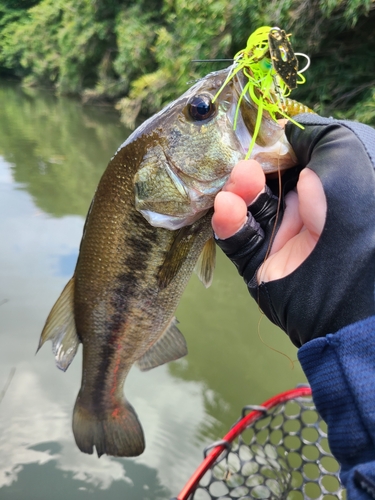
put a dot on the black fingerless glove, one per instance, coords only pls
(250, 244)
(334, 286)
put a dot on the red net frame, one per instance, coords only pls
(219, 450)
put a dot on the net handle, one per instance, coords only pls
(235, 431)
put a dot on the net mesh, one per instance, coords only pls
(284, 454)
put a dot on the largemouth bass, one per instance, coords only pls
(148, 226)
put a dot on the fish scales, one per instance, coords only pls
(148, 226)
(116, 289)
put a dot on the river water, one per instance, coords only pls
(52, 154)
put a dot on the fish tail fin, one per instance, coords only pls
(116, 432)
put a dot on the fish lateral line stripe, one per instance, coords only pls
(116, 412)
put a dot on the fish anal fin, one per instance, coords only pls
(170, 346)
(205, 265)
(60, 328)
(115, 431)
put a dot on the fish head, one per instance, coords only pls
(191, 146)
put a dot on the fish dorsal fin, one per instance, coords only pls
(170, 345)
(60, 328)
(177, 254)
(205, 265)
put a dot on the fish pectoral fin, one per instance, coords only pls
(205, 265)
(171, 345)
(60, 328)
(177, 254)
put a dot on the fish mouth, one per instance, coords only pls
(171, 222)
(271, 149)
(241, 131)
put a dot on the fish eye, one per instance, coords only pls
(201, 107)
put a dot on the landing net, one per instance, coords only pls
(275, 451)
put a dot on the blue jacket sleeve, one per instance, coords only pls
(341, 371)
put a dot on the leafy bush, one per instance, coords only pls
(142, 51)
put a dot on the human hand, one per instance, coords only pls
(302, 222)
(308, 289)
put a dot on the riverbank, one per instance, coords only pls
(140, 57)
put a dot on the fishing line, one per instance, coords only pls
(211, 60)
(270, 68)
(262, 315)
(291, 361)
(271, 72)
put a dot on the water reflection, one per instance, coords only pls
(147, 488)
(53, 152)
(57, 148)
(233, 349)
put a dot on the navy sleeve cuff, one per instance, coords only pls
(341, 371)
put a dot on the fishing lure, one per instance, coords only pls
(283, 58)
(271, 68)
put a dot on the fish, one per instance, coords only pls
(147, 229)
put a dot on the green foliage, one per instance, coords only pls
(58, 42)
(141, 51)
(364, 111)
(28, 47)
(191, 30)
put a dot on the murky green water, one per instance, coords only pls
(52, 153)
